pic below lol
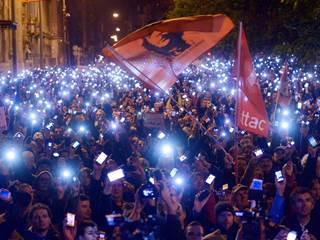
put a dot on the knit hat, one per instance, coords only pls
(223, 207)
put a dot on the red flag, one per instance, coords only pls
(160, 51)
(251, 111)
(283, 96)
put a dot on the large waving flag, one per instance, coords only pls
(160, 51)
(251, 111)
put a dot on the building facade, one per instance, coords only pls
(36, 20)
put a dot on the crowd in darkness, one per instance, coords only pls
(59, 121)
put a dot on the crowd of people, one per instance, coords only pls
(78, 160)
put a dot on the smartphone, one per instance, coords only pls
(75, 145)
(101, 158)
(258, 152)
(101, 136)
(49, 126)
(148, 192)
(210, 179)
(257, 184)
(279, 176)
(299, 105)
(239, 214)
(173, 172)
(292, 235)
(225, 187)
(161, 135)
(71, 219)
(5, 194)
(113, 219)
(49, 144)
(115, 175)
(312, 141)
(151, 179)
(182, 158)
(203, 195)
(102, 235)
(55, 154)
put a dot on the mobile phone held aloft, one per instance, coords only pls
(279, 176)
(75, 145)
(258, 152)
(292, 235)
(5, 194)
(114, 219)
(210, 179)
(71, 219)
(257, 184)
(101, 158)
(115, 175)
(312, 141)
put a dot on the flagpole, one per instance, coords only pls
(120, 58)
(236, 137)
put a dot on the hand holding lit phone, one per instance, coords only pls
(101, 158)
(5, 195)
(71, 220)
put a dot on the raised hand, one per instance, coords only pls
(199, 204)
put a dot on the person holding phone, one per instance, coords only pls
(204, 200)
(309, 163)
(85, 230)
(111, 199)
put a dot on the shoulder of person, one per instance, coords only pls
(53, 234)
(216, 235)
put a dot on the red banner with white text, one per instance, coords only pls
(251, 111)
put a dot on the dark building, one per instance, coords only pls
(94, 23)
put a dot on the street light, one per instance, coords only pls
(115, 15)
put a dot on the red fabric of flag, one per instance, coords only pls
(159, 52)
(251, 111)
